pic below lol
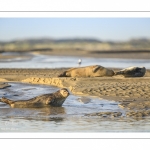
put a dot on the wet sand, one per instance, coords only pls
(126, 54)
(131, 93)
(15, 56)
(3, 84)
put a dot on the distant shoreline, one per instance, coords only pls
(125, 54)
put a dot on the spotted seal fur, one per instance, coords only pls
(52, 99)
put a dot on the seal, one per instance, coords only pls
(52, 99)
(132, 72)
(88, 71)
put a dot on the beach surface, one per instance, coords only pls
(131, 93)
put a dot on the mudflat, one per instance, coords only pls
(131, 93)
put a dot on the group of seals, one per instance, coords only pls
(100, 71)
(58, 98)
(52, 99)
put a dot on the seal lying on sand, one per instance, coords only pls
(52, 99)
(89, 71)
(132, 72)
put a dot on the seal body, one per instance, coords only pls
(132, 72)
(52, 99)
(88, 71)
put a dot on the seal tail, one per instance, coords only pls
(62, 74)
(5, 100)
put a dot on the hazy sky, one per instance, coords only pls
(116, 29)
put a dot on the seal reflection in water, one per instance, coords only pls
(132, 72)
(52, 99)
(88, 71)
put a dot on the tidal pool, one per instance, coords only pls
(68, 118)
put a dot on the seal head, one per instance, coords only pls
(59, 97)
(132, 72)
(64, 92)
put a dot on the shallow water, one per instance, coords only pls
(47, 61)
(68, 118)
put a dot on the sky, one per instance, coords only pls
(105, 29)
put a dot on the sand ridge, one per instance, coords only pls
(100, 86)
(132, 94)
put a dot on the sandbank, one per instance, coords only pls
(131, 93)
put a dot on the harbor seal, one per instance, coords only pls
(88, 71)
(132, 72)
(52, 99)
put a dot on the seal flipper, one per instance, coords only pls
(7, 101)
(121, 72)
